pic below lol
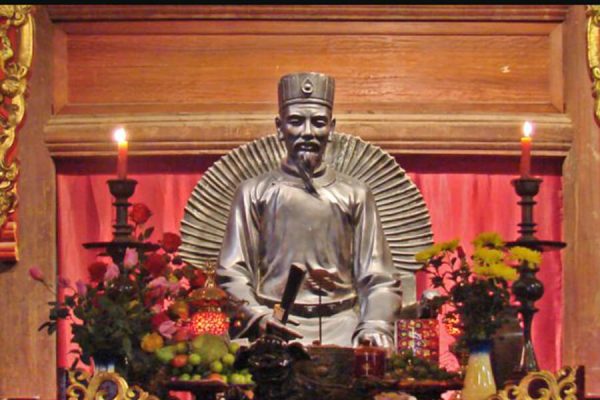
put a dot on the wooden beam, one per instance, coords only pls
(96, 12)
(164, 134)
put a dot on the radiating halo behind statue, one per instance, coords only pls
(400, 205)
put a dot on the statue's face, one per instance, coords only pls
(305, 130)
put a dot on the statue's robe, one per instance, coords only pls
(274, 222)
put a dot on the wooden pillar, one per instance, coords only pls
(27, 357)
(581, 171)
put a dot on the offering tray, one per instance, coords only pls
(205, 388)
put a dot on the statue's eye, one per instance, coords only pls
(294, 121)
(319, 122)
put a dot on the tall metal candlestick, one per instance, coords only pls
(528, 289)
(122, 190)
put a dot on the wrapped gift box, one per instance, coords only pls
(422, 336)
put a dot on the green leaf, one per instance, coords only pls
(127, 346)
(44, 325)
(148, 232)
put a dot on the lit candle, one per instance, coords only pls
(526, 149)
(121, 137)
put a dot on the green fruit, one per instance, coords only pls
(176, 371)
(216, 366)
(188, 368)
(237, 379)
(181, 347)
(209, 347)
(165, 354)
(233, 347)
(184, 377)
(196, 377)
(228, 359)
(195, 359)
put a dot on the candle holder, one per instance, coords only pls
(122, 190)
(528, 289)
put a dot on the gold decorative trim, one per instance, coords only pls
(103, 385)
(16, 53)
(542, 385)
(593, 51)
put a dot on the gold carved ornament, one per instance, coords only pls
(593, 52)
(103, 386)
(16, 53)
(542, 385)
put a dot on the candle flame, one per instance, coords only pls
(120, 135)
(527, 129)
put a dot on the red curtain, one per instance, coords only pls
(465, 196)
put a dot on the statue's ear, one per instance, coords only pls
(278, 126)
(298, 352)
(332, 129)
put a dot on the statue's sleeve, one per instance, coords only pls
(379, 293)
(237, 271)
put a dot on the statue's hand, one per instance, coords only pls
(376, 338)
(269, 324)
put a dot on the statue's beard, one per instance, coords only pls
(308, 161)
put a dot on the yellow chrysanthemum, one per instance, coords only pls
(504, 271)
(498, 270)
(450, 245)
(488, 239)
(523, 254)
(486, 257)
(424, 256)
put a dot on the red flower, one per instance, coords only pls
(171, 242)
(159, 318)
(140, 213)
(155, 264)
(198, 280)
(182, 334)
(97, 270)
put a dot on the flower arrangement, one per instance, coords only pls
(133, 309)
(475, 295)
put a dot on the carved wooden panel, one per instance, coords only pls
(202, 79)
(374, 72)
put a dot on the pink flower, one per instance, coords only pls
(36, 274)
(167, 329)
(160, 282)
(131, 258)
(64, 282)
(112, 271)
(173, 287)
(158, 288)
(81, 288)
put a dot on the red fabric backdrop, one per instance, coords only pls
(465, 196)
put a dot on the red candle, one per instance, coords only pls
(121, 137)
(526, 140)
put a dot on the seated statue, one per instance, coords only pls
(307, 213)
(330, 203)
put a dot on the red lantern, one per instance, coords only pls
(209, 300)
(213, 322)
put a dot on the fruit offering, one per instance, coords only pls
(206, 356)
(407, 366)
